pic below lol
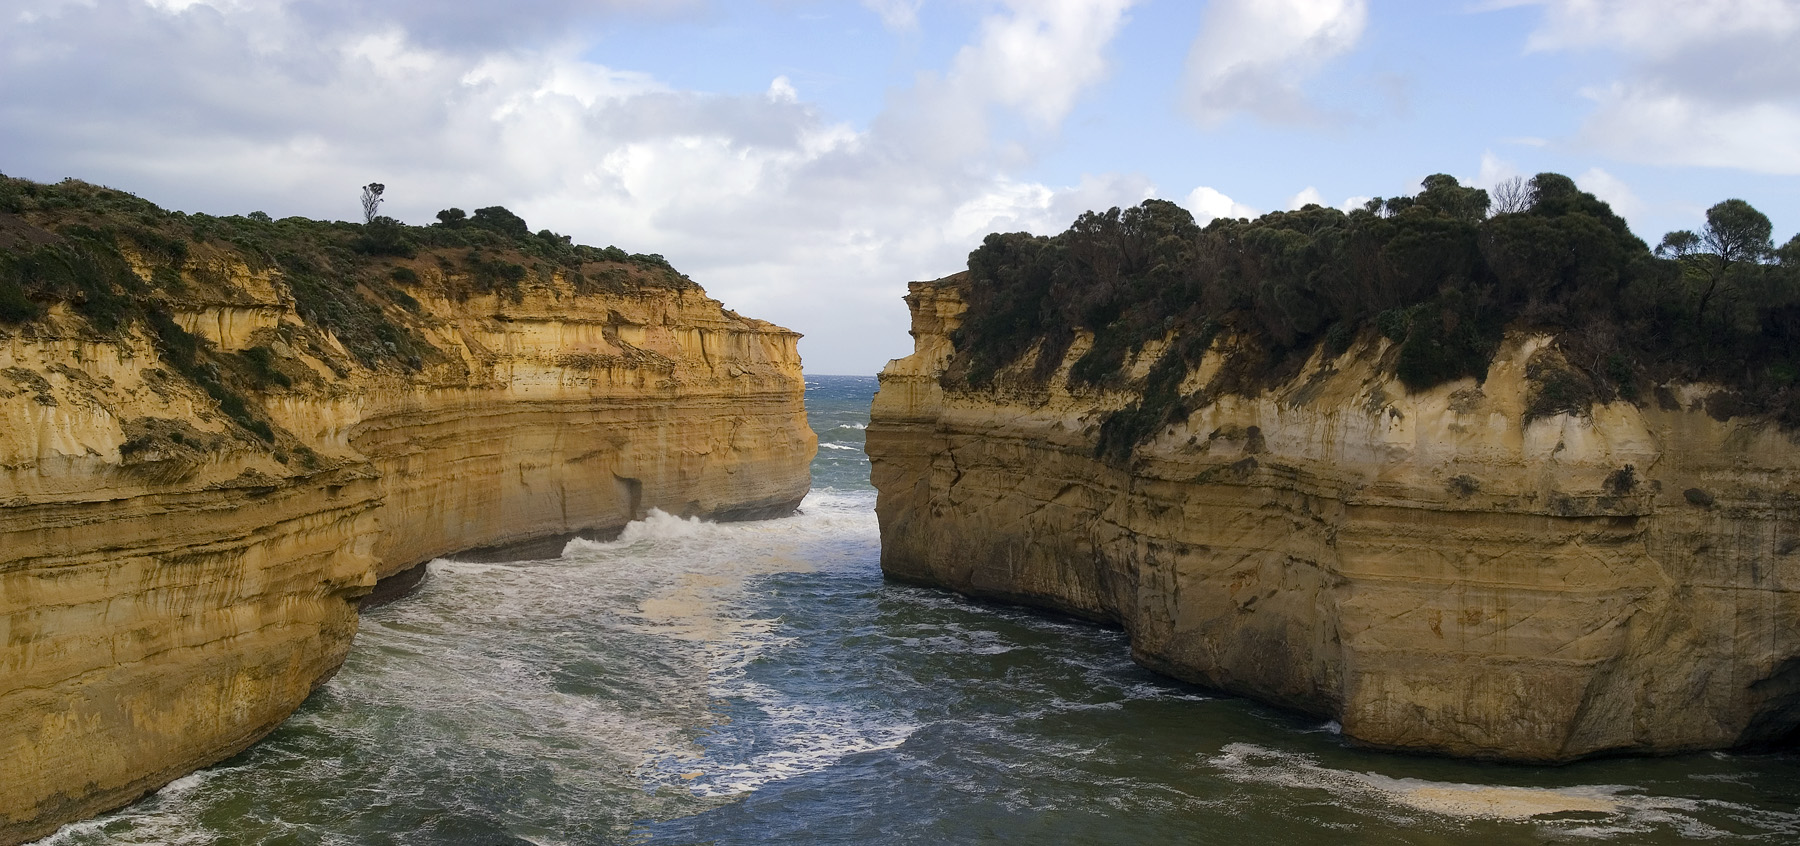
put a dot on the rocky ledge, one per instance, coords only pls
(1438, 571)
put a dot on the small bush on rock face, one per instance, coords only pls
(1556, 387)
(1447, 343)
(85, 269)
(261, 360)
(494, 275)
(182, 351)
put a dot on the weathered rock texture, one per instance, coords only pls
(172, 586)
(1431, 570)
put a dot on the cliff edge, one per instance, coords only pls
(1446, 570)
(220, 433)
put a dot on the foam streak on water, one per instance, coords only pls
(753, 683)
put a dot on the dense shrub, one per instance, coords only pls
(385, 236)
(1433, 273)
(84, 269)
(498, 219)
(182, 351)
(15, 306)
(260, 361)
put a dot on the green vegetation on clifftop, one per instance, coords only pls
(122, 264)
(1443, 275)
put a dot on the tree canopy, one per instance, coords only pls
(1443, 274)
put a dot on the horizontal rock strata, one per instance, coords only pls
(1431, 570)
(173, 586)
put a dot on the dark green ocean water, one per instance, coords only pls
(759, 683)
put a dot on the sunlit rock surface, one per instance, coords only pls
(1430, 569)
(172, 587)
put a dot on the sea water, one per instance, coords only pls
(759, 682)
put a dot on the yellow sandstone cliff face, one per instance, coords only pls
(171, 587)
(1430, 570)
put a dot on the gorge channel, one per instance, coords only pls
(761, 683)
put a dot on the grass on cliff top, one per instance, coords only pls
(64, 242)
(69, 243)
(1443, 275)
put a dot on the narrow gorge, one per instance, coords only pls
(1500, 563)
(221, 434)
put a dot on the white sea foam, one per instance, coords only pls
(1163, 691)
(683, 580)
(846, 447)
(686, 581)
(634, 664)
(661, 525)
(791, 740)
(1601, 810)
(954, 640)
(658, 525)
(172, 830)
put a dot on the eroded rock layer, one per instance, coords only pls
(1432, 570)
(172, 584)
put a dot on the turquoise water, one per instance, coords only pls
(759, 683)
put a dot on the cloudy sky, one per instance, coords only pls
(804, 159)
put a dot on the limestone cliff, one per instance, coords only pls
(1435, 570)
(199, 480)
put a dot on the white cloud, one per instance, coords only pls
(782, 91)
(1035, 56)
(1012, 206)
(1253, 55)
(1041, 54)
(1494, 170)
(1004, 207)
(1646, 124)
(1656, 27)
(179, 5)
(1308, 196)
(779, 210)
(897, 15)
(1612, 190)
(1713, 83)
(1208, 204)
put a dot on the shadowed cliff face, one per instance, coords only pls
(173, 581)
(1430, 569)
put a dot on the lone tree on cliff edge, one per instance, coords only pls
(1735, 234)
(371, 200)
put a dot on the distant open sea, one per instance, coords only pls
(760, 683)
